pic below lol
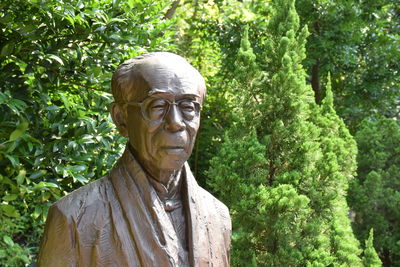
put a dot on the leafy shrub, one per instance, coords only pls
(56, 60)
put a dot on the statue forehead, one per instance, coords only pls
(170, 72)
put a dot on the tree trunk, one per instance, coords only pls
(170, 13)
(315, 83)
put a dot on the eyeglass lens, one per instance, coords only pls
(156, 109)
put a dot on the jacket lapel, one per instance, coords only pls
(198, 223)
(148, 224)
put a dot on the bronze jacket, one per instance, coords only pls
(119, 220)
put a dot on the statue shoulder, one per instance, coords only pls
(75, 202)
(220, 208)
(79, 209)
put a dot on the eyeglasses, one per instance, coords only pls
(155, 109)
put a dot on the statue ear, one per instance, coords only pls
(118, 115)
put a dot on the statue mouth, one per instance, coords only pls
(174, 149)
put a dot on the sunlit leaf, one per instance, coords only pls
(7, 49)
(21, 177)
(10, 197)
(9, 210)
(8, 240)
(18, 131)
(56, 58)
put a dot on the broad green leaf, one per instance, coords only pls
(8, 240)
(30, 146)
(3, 98)
(70, 19)
(131, 3)
(7, 49)
(56, 58)
(10, 197)
(18, 131)
(45, 196)
(13, 146)
(52, 108)
(21, 177)
(3, 253)
(45, 185)
(9, 210)
(37, 212)
(15, 134)
(116, 20)
(14, 160)
(37, 174)
(81, 179)
(77, 168)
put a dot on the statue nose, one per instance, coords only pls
(174, 120)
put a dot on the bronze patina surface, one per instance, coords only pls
(149, 210)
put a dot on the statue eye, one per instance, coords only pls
(156, 109)
(187, 106)
(158, 105)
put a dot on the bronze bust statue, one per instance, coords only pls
(149, 210)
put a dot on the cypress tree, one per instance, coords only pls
(278, 168)
(375, 195)
(335, 168)
(371, 258)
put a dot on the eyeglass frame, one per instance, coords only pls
(176, 103)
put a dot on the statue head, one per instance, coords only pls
(158, 97)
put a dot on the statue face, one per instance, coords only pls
(163, 119)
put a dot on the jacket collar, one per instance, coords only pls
(149, 225)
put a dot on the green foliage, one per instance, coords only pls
(55, 131)
(269, 142)
(336, 168)
(11, 253)
(375, 195)
(356, 42)
(259, 206)
(204, 32)
(291, 170)
(371, 258)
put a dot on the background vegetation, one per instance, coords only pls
(295, 89)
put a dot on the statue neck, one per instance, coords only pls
(165, 177)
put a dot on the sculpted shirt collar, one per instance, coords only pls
(172, 191)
